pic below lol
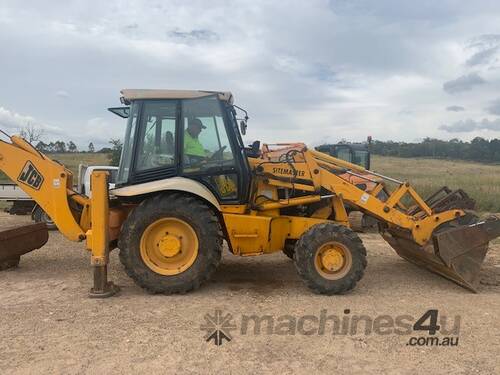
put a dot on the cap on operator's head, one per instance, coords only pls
(196, 122)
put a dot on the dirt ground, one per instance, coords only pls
(49, 325)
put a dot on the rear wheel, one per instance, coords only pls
(330, 258)
(171, 243)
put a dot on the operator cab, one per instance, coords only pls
(191, 134)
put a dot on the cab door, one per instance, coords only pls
(155, 155)
(210, 151)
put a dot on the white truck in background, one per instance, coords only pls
(84, 173)
(22, 204)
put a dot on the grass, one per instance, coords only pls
(480, 181)
(71, 161)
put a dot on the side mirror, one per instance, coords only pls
(243, 127)
(256, 147)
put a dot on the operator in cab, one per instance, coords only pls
(193, 148)
(195, 154)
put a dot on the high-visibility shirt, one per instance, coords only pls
(193, 146)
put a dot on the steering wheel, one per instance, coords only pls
(217, 154)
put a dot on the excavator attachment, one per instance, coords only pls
(17, 241)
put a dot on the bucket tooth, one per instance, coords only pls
(17, 241)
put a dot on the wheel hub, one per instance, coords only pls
(169, 245)
(333, 259)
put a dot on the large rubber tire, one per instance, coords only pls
(311, 243)
(289, 248)
(179, 206)
(40, 216)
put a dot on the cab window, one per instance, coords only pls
(362, 158)
(206, 143)
(207, 151)
(344, 153)
(156, 147)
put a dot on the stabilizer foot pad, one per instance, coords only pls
(109, 290)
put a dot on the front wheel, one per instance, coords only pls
(330, 258)
(171, 243)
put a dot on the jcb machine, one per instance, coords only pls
(187, 183)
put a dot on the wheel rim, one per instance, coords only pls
(169, 246)
(333, 260)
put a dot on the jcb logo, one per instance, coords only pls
(30, 176)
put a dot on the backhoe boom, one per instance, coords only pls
(76, 216)
(49, 183)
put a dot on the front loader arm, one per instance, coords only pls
(440, 233)
(46, 181)
(315, 171)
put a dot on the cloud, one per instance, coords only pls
(455, 108)
(107, 130)
(197, 35)
(307, 70)
(12, 122)
(494, 107)
(463, 83)
(62, 94)
(131, 26)
(469, 125)
(484, 41)
(486, 49)
(483, 57)
(304, 69)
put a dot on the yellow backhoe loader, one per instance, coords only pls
(186, 183)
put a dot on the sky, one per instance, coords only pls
(313, 71)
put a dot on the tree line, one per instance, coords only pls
(479, 149)
(33, 135)
(62, 147)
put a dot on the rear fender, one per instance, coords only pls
(170, 184)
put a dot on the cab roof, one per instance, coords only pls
(134, 94)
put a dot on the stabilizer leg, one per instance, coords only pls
(102, 287)
(98, 237)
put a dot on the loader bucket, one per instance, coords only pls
(17, 241)
(455, 253)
